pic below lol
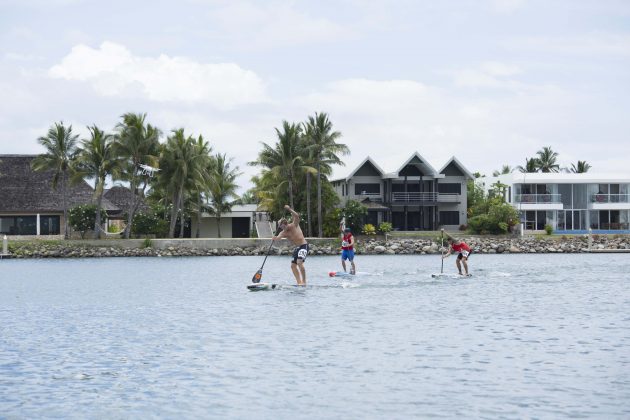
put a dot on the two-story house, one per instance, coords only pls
(413, 197)
(568, 202)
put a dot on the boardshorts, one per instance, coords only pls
(300, 253)
(464, 254)
(347, 254)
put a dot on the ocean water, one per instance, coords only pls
(527, 336)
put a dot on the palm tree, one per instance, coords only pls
(182, 163)
(323, 144)
(201, 178)
(506, 169)
(96, 160)
(136, 142)
(547, 160)
(60, 144)
(531, 165)
(222, 187)
(283, 160)
(581, 167)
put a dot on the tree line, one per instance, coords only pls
(546, 160)
(301, 151)
(191, 179)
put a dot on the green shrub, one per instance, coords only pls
(147, 243)
(82, 218)
(369, 229)
(548, 229)
(149, 223)
(385, 227)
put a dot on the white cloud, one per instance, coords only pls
(113, 70)
(491, 74)
(257, 25)
(506, 6)
(596, 43)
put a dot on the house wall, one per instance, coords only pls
(461, 207)
(209, 227)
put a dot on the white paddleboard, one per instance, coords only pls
(256, 287)
(449, 275)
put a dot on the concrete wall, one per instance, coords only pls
(202, 243)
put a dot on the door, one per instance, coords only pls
(240, 227)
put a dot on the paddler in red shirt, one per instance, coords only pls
(464, 253)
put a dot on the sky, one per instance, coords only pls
(490, 82)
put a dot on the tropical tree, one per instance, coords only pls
(284, 160)
(506, 169)
(581, 167)
(136, 142)
(201, 179)
(547, 160)
(323, 146)
(222, 187)
(531, 165)
(60, 144)
(96, 160)
(182, 164)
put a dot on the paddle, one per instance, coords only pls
(258, 276)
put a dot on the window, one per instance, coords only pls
(452, 188)
(449, 218)
(49, 225)
(18, 225)
(367, 188)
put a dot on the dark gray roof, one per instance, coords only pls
(121, 197)
(24, 190)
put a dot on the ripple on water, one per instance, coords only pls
(526, 336)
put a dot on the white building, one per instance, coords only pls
(238, 223)
(413, 197)
(568, 202)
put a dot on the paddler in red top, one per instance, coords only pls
(347, 250)
(464, 253)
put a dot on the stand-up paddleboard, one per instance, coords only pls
(450, 275)
(340, 274)
(257, 287)
(348, 275)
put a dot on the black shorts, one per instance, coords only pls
(300, 253)
(464, 254)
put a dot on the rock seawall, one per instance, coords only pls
(483, 245)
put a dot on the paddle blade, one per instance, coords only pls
(257, 276)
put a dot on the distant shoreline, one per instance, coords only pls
(366, 246)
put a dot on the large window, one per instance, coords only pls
(367, 189)
(450, 188)
(449, 218)
(49, 225)
(18, 225)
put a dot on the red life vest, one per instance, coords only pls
(346, 238)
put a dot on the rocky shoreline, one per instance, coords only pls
(393, 246)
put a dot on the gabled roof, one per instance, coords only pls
(421, 163)
(24, 190)
(453, 160)
(365, 161)
(121, 197)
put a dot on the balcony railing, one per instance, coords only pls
(425, 197)
(376, 197)
(538, 198)
(610, 198)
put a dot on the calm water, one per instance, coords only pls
(543, 336)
